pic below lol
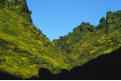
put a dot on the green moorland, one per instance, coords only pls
(24, 49)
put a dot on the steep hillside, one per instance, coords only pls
(87, 42)
(23, 48)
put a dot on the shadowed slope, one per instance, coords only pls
(105, 67)
(6, 76)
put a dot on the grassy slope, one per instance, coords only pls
(23, 48)
(81, 45)
(91, 46)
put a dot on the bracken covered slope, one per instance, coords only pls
(24, 49)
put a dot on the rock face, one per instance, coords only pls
(9, 3)
(20, 4)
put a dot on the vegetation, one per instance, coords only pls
(86, 42)
(24, 49)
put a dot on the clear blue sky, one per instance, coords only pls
(58, 17)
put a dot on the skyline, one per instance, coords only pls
(58, 17)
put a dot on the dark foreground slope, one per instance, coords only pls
(105, 67)
(7, 76)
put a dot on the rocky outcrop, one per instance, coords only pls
(20, 5)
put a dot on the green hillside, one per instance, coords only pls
(87, 42)
(24, 49)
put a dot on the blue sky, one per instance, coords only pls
(58, 17)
